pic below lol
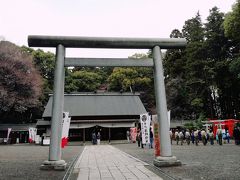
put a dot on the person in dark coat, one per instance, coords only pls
(98, 138)
(151, 138)
(94, 138)
(138, 137)
(236, 135)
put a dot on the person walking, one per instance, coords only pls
(98, 138)
(236, 135)
(211, 137)
(128, 136)
(224, 137)
(176, 136)
(192, 136)
(196, 137)
(151, 139)
(171, 135)
(187, 136)
(138, 137)
(93, 138)
(141, 139)
(181, 137)
(219, 133)
(228, 136)
(204, 137)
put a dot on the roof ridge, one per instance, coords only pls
(101, 94)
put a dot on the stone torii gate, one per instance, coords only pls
(63, 42)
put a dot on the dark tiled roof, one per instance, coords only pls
(99, 105)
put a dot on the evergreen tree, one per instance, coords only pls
(231, 27)
(195, 69)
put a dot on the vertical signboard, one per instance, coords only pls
(32, 134)
(145, 128)
(65, 128)
(8, 134)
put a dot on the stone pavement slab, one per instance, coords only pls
(107, 162)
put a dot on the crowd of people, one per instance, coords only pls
(201, 135)
(196, 136)
(182, 136)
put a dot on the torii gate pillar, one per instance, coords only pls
(165, 158)
(55, 161)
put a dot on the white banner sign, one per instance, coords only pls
(169, 117)
(65, 128)
(145, 120)
(32, 134)
(9, 131)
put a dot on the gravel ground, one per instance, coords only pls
(22, 162)
(199, 162)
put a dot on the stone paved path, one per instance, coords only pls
(106, 162)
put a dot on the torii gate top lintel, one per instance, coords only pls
(105, 42)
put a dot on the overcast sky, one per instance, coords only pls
(100, 18)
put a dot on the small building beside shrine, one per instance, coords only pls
(111, 114)
(15, 133)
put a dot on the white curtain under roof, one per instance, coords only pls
(106, 125)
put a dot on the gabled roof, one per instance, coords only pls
(99, 105)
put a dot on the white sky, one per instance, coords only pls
(100, 18)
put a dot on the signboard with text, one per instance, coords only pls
(145, 120)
